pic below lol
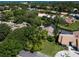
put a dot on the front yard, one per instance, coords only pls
(50, 48)
(71, 27)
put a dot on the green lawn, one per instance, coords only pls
(50, 48)
(72, 27)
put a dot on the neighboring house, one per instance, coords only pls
(43, 14)
(7, 7)
(2, 8)
(64, 13)
(67, 38)
(69, 20)
(46, 15)
(49, 29)
(54, 12)
(76, 34)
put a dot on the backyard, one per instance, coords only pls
(71, 27)
(50, 48)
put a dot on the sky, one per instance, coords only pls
(39, 0)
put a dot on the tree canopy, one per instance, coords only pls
(10, 48)
(29, 38)
(4, 31)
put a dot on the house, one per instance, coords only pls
(54, 12)
(43, 14)
(46, 15)
(64, 13)
(76, 34)
(49, 29)
(7, 7)
(2, 8)
(70, 20)
(69, 38)
(65, 37)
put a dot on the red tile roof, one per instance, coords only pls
(69, 20)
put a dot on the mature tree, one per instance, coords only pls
(19, 12)
(10, 48)
(46, 21)
(29, 17)
(19, 19)
(8, 15)
(31, 14)
(34, 38)
(51, 39)
(30, 37)
(4, 31)
(34, 21)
